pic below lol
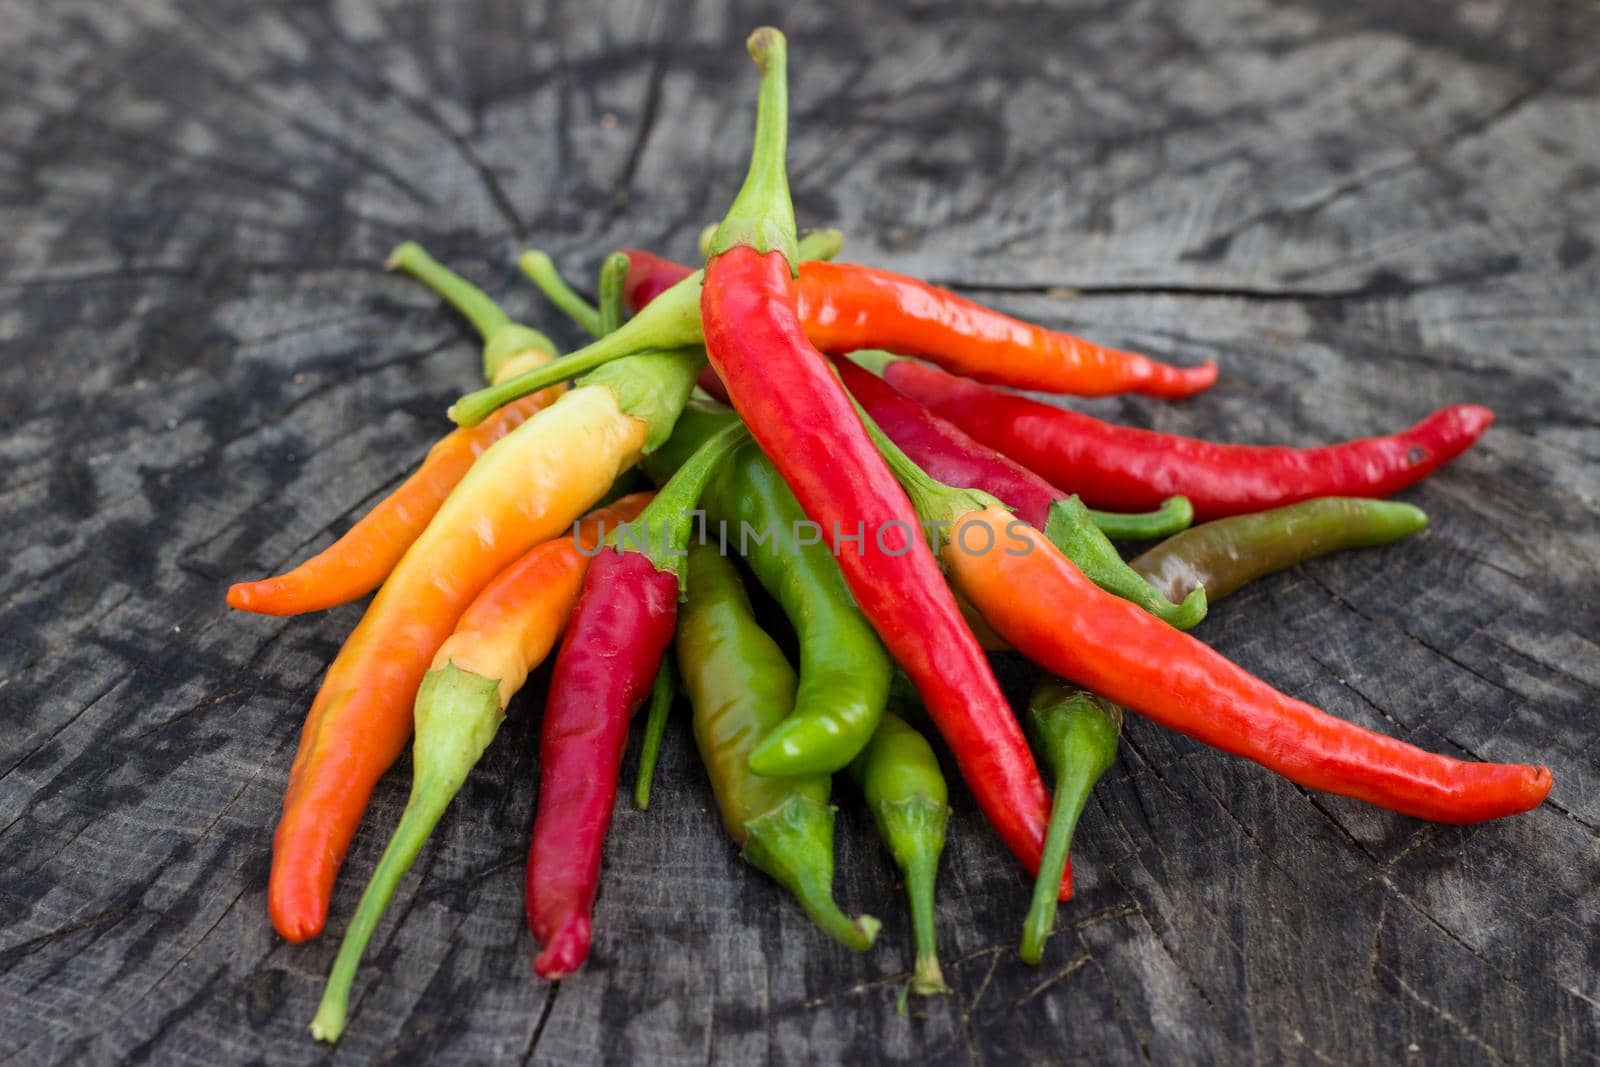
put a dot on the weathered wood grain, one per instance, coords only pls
(1362, 210)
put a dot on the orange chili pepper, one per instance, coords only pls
(358, 562)
(525, 489)
(1040, 602)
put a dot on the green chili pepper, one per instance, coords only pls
(1071, 528)
(906, 793)
(1076, 734)
(741, 687)
(844, 670)
(662, 695)
(1225, 554)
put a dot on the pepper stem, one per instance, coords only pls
(464, 711)
(821, 244)
(502, 338)
(613, 275)
(937, 504)
(662, 695)
(1071, 529)
(1173, 516)
(762, 215)
(793, 843)
(671, 320)
(1078, 735)
(540, 269)
(662, 529)
(915, 827)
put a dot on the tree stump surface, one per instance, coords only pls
(1362, 211)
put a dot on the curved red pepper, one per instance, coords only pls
(800, 415)
(607, 664)
(1128, 469)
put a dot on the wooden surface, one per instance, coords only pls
(1361, 210)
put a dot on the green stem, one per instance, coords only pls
(935, 502)
(1174, 515)
(613, 275)
(671, 320)
(821, 244)
(541, 271)
(1076, 733)
(762, 215)
(793, 843)
(662, 529)
(502, 338)
(473, 303)
(1071, 794)
(1070, 528)
(457, 715)
(652, 386)
(917, 826)
(661, 698)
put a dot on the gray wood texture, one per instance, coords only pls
(1362, 210)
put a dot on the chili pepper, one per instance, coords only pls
(523, 490)
(1056, 617)
(1122, 467)
(800, 415)
(950, 455)
(906, 793)
(655, 724)
(844, 670)
(847, 307)
(505, 633)
(1077, 734)
(608, 660)
(1065, 521)
(540, 269)
(357, 563)
(741, 686)
(1226, 553)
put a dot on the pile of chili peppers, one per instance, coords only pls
(848, 452)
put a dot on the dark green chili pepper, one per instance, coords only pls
(1072, 529)
(906, 793)
(662, 695)
(741, 688)
(1076, 734)
(844, 670)
(1225, 554)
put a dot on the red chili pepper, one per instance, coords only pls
(1123, 468)
(607, 665)
(1055, 616)
(847, 307)
(649, 276)
(945, 452)
(805, 423)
